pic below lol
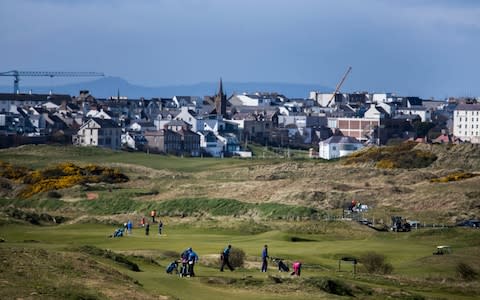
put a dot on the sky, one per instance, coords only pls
(427, 48)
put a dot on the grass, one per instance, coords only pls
(39, 156)
(207, 203)
(124, 202)
(415, 268)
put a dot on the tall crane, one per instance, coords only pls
(339, 85)
(16, 75)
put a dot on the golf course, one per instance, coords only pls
(60, 206)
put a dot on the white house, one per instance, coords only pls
(375, 112)
(384, 97)
(162, 119)
(50, 106)
(191, 117)
(133, 140)
(211, 144)
(466, 122)
(338, 146)
(99, 132)
(424, 113)
(142, 126)
(98, 114)
(327, 99)
(190, 101)
(251, 100)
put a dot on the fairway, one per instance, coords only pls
(415, 267)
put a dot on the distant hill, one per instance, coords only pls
(108, 86)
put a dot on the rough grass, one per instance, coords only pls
(30, 273)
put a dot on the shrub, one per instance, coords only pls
(66, 175)
(466, 272)
(236, 258)
(375, 263)
(397, 156)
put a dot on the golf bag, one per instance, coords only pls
(118, 232)
(173, 266)
(282, 267)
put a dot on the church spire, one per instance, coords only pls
(221, 100)
(220, 88)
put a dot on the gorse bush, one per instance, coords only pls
(237, 257)
(402, 155)
(456, 176)
(375, 263)
(466, 272)
(10, 171)
(65, 175)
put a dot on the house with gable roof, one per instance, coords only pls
(338, 146)
(98, 132)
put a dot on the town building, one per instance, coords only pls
(99, 132)
(338, 146)
(466, 124)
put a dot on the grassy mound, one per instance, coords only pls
(48, 274)
(230, 207)
(401, 156)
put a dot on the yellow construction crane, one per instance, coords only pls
(16, 74)
(339, 85)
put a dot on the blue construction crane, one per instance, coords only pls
(16, 74)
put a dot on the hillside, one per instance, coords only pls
(306, 183)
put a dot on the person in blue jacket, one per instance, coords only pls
(184, 260)
(192, 259)
(225, 258)
(265, 258)
(129, 226)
